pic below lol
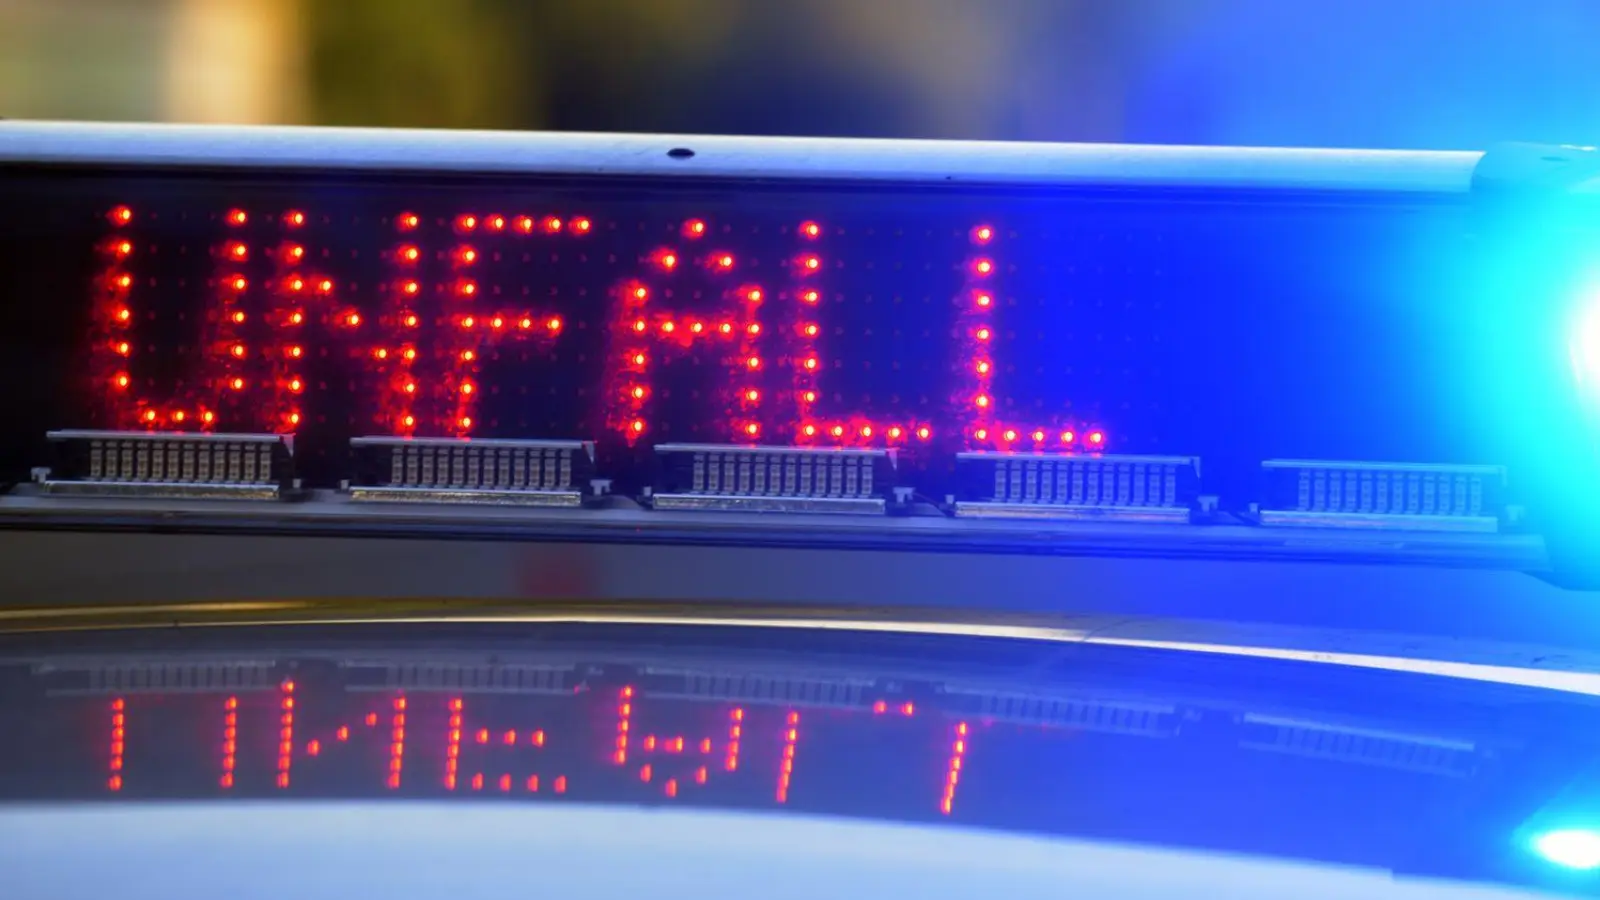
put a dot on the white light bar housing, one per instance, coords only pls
(469, 470)
(772, 479)
(169, 465)
(1076, 486)
(1385, 496)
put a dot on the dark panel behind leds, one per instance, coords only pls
(1232, 327)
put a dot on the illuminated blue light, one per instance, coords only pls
(1573, 848)
(1586, 349)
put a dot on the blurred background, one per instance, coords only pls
(1380, 73)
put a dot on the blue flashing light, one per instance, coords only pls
(1586, 349)
(1571, 848)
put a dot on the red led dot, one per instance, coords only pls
(236, 384)
(752, 429)
(809, 396)
(983, 267)
(553, 323)
(208, 417)
(121, 215)
(639, 359)
(1097, 438)
(866, 431)
(497, 322)
(468, 356)
(325, 286)
(1009, 435)
(694, 228)
(124, 314)
(982, 367)
(295, 284)
(238, 251)
(981, 401)
(410, 288)
(752, 395)
(123, 248)
(697, 327)
(123, 348)
(754, 295)
(1068, 437)
(552, 225)
(641, 292)
(810, 363)
(122, 380)
(409, 387)
(837, 431)
(149, 415)
(753, 328)
(296, 385)
(582, 225)
(525, 224)
(640, 325)
(981, 434)
(1038, 436)
(409, 353)
(466, 387)
(667, 260)
(124, 281)
(237, 217)
(237, 350)
(464, 422)
(294, 218)
(724, 262)
(408, 221)
(637, 426)
(380, 353)
(468, 321)
(924, 433)
(753, 362)
(983, 234)
(352, 319)
(466, 256)
(294, 418)
(637, 393)
(809, 430)
(294, 252)
(239, 284)
(809, 329)
(810, 229)
(467, 288)
(408, 421)
(410, 320)
(982, 334)
(668, 327)
(984, 300)
(811, 263)
(895, 432)
(525, 323)
(466, 222)
(497, 223)
(811, 296)
(409, 254)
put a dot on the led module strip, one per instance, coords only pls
(773, 479)
(169, 465)
(1385, 496)
(1076, 486)
(452, 470)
